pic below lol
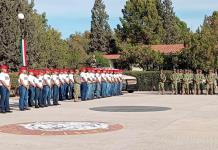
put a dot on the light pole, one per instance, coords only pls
(21, 17)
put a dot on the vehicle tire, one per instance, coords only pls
(130, 91)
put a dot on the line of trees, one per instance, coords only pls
(144, 22)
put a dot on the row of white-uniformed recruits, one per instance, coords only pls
(38, 87)
(100, 83)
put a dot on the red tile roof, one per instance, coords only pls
(112, 56)
(167, 49)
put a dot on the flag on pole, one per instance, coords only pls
(23, 52)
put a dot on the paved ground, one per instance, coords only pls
(190, 124)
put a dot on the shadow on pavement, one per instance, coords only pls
(130, 108)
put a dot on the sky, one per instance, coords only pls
(71, 16)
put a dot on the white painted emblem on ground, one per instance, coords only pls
(65, 126)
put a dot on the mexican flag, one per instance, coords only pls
(23, 52)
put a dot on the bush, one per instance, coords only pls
(148, 80)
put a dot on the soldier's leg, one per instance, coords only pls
(211, 89)
(3, 95)
(182, 89)
(159, 88)
(207, 89)
(188, 88)
(214, 88)
(176, 89)
(173, 88)
(162, 88)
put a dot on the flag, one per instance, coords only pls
(23, 52)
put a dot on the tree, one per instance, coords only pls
(101, 33)
(169, 23)
(202, 52)
(140, 23)
(78, 47)
(140, 56)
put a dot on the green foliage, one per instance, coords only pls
(151, 22)
(54, 50)
(140, 23)
(202, 51)
(100, 60)
(101, 34)
(170, 25)
(139, 55)
(148, 80)
(78, 46)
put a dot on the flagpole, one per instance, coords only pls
(22, 42)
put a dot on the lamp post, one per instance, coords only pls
(21, 17)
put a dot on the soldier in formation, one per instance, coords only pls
(45, 87)
(186, 82)
(161, 82)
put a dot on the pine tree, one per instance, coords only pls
(9, 33)
(169, 23)
(100, 29)
(140, 23)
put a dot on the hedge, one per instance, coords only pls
(148, 80)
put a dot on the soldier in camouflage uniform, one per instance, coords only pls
(174, 80)
(210, 82)
(198, 80)
(77, 83)
(161, 82)
(185, 81)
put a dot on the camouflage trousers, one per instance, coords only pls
(76, 92)
(174, 87)
(161, 86)
(209, 88)
(185, 88)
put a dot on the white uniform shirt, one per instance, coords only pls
(92, 77)
(24, 78)
(84, 76)
(39, 81)
(66, 77)
(108, 76)
(88, 76)
(98, 76)
(55, 79)
(71, 78)
(47, 78)
(61, 77)
(31, 79)
(5, 77)
(103, 76)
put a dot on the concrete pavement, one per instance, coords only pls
(191, 123)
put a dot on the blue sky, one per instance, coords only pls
(70, 16)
